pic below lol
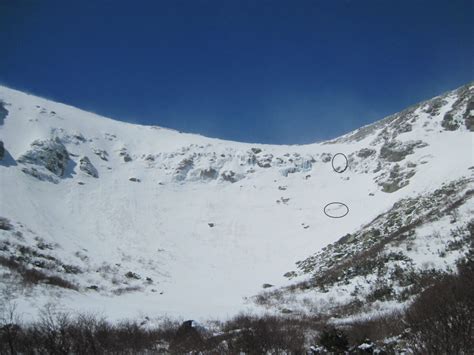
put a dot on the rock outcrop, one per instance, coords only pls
(183, 169)
(395, 151)
(125, 155)
(3, 112)
(50, 154)
(102, 154)
(86, 166)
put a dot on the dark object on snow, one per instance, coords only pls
(124, 154)
(132, 275)
(134, 179)
(211, 225)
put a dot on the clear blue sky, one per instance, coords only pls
(291, 71)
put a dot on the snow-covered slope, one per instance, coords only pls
(133, 219)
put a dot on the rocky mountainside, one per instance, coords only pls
(133, 220)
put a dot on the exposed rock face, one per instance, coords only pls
(230, 176)
(365, 152)
(265, 161)
(397, 178)
(3, 112)
(433, 106)
(5, 224)
(183, 168)
(40, 175)
(469, 116)
(86, 166)
(51, 154)
(394, 151)
(462, 110)
(2, 150)
(209, 174)
(449, 123)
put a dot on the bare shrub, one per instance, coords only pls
(127, 289)
(442, 318)
(334, 340)
(9, 327)
(376, 328)
(259, 335)
(52, 332)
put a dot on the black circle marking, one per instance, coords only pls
(336, 203)
(345, 168)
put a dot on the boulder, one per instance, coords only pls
(124, 154)
(132, 275)
(102, 154)
(86, 166)
(326, 157)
